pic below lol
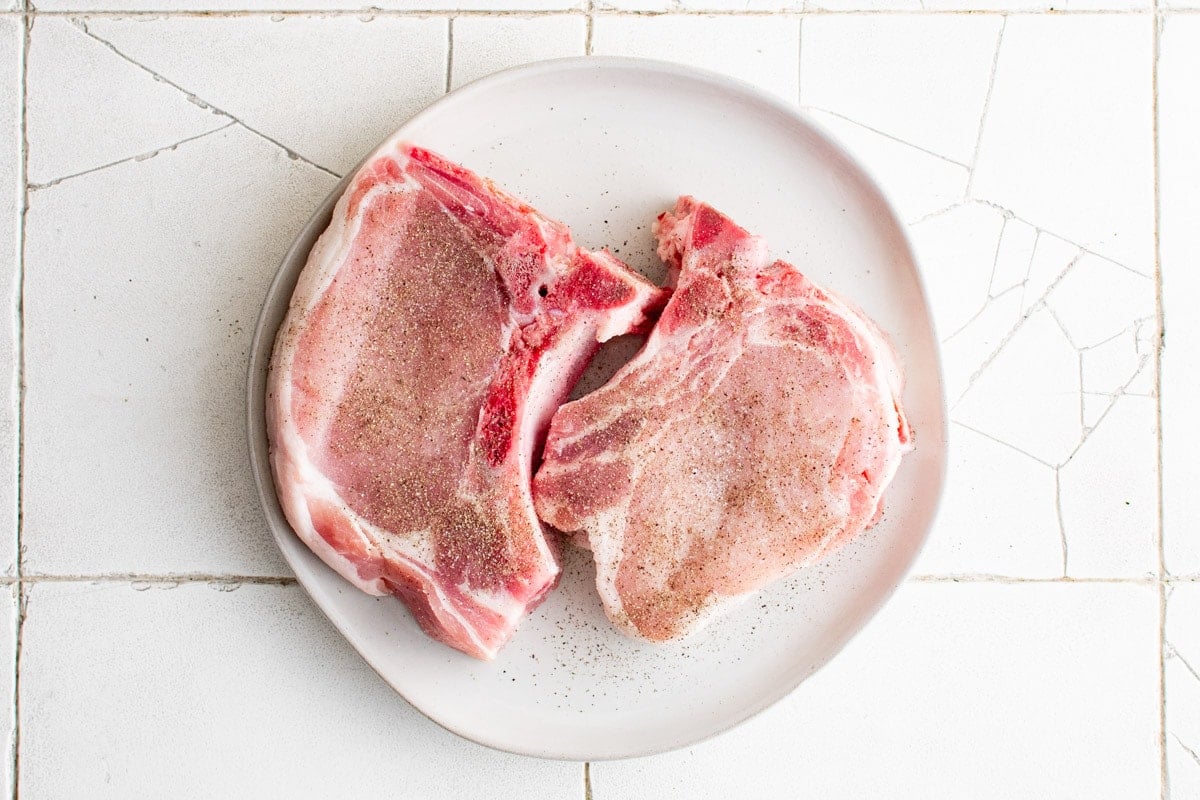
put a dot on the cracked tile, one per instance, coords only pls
(138, 324)
(1097, 300)
(11, 194)
(1183, 609)
(526, 39)
(1052, 257)
(1028, 395)
(968, 348)
(1179, 131)
(956, 251)
(980, 529)
(268, 675)
(396, 66)
(761, 50)
(918, 183)
(89, 107)
(1183, 757)
(1065, 144)
(954, 690)
(919, 78)
(1107, 369)
(1013, 256)
(1109, 495)
(1182, 665)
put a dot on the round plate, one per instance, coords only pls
(605, 145)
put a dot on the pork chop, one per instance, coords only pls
(756, 429)
(437, 325)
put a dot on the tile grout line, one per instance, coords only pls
(22, 229)
(433, 12)
(1156, 41)
(449, 51)
(178, 579)
(587, 781)
(591, 27)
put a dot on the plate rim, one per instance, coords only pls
(262, 344)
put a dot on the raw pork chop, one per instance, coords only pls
(438, 324)
(756, 429)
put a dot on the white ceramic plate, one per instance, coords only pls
(605, 145)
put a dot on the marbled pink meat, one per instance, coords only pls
(757, 429)
(438, 324)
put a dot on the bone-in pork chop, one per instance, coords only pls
(437, 325)
(756, 429)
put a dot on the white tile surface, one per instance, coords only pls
(920, 78)
(1098, 300)
(1110, 495)
(1028, 395)
(1041, 344)
(701, 5)
(1052, 257)
(362, 76)
(759, 49)
(1014, 253)
(1182, 666)
(955, 690)
(967, 348)
(957, 250)
(1066, 143)
(917, 182)
(8, 646)
(981, 529)
(126, 113)
(143, 279)
(366, 6)
(1179, 130)
(525, 39)
(864, 5)
(981, 5)
(138, 322)
(10, 204)
(1107, 369)
(480, 5)
(259, 698)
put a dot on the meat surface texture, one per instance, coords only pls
(437, 325)
(756, 430)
